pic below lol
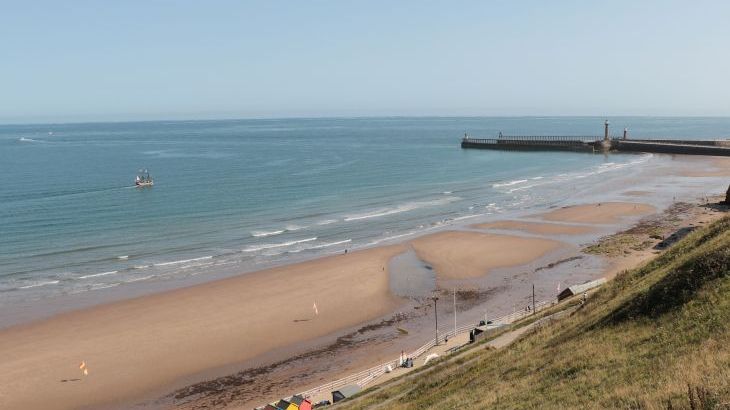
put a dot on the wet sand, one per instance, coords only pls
(602, 213)
(538, 228)
(697, 167)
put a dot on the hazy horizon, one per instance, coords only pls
(142, 61)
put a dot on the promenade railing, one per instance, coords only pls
(364, 377)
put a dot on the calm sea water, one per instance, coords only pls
(238, 195)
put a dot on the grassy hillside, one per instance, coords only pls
(657, 337)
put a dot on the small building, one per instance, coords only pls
(299, 403)
(578, 289)
(477, 333)
(283, 405)
(345, 392)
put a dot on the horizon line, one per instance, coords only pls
(350, 117)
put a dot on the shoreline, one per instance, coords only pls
(362, 290)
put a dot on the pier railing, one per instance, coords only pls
(364, 377)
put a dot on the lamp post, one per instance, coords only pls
(435, 299)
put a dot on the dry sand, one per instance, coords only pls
(144, 344)
(462, 255)
(602, 213)
(538, 228)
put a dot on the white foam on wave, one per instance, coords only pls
(510, 183)
(202, 258)
(23, 139)
(292, 228)
(262, 234)
(94, 275)
(327, 245)
(401, 208)
(390, 238)
(277, 245)
(123, 257)
(140, 278)
(37, 284)
(459, 218)
(327, 222)
(98, 286)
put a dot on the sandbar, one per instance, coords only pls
(464, 255)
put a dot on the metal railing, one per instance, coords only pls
(364, 377)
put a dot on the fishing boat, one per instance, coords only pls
(143, 179)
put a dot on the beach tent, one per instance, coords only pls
(578, 289)
(282, 405)
(345, 392)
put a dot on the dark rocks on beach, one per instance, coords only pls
(727, 196)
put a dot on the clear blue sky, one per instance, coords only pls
(125, 60)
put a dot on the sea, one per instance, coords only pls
(233, 196)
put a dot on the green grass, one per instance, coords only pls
(656, 337)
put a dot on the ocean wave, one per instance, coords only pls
(202, 258)
(23, 139)
(510, 183)
(38, 284)
(140, 278)
(97, 286)
(262, 234)
(292, 228)
(277, 245)
(390, 238)
(401, 208)
(327, 222)
(94, 275)
(327, 245)
(123, 257)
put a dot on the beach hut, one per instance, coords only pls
(345, 392)
(269, 407)
(300, 403)
(578, 289)
(283, 405)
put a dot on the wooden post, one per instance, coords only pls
(454, 312)
(533, 299)
(435, 299)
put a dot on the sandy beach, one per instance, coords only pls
(140, 345)
(155, 344)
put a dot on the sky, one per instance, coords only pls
(68, 61)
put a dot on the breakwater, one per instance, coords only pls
(599, 144)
